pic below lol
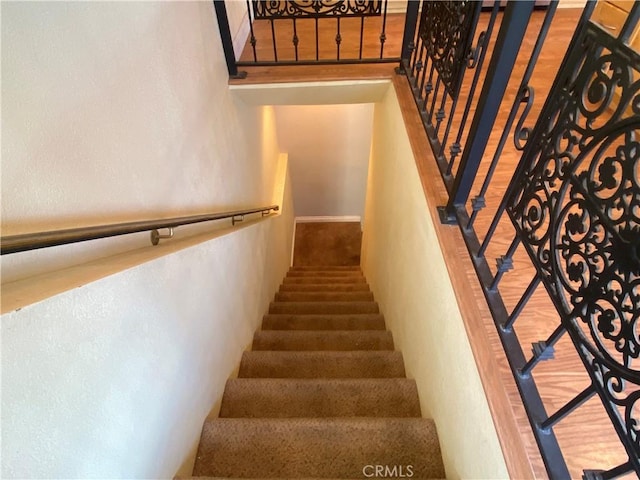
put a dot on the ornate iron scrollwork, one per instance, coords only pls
(576, 206)
(447, 29)
(316, 8)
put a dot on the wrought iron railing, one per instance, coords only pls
(573, 202)
(336, 32)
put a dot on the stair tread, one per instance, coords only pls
(326, 268)
(327, 447)
(332, 307)
(325, 273)
(321, 364)
(268, 397)
(322, 394)
(353, 321)
(324, 297)
(322, 340)
(324, 287)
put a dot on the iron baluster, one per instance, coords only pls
(417, 64)
(433, 100)
(517, 310)
(440, 113)
(542, 350)
(295, 38)
(414, 81)
(383, 35)
(273, 36)
(338, 39)
(569, 407)
(428, 87)
(361, 37)
(425, 85)
(505, 263)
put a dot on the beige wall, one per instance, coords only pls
(405, 268)
(328, 147)
(111, 112)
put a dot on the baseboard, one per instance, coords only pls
(396, 6)
(325, 218)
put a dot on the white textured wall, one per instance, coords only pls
(328, 147)
(405, 268)
(119, 111)
(114, 379)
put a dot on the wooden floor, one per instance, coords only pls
(586, 435)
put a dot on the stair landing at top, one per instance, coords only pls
(327, 244)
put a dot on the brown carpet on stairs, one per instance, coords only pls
(322, 393)
(327, 243)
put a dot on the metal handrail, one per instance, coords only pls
(36, 240)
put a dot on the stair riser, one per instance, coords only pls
(268, 398)
(318, 448)
(372, 364)
(322, 340)
(324, 287)
(324, 297)
(323, 322)
(331, 308)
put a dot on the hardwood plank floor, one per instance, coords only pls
(586, 435)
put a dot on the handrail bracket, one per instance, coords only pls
(156, 236)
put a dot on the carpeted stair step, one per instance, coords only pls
(324, 297)
(317, 268)
(324, 287)
(288, 398)
(324, 273)
(323, 364)
(355, 321)
(321, 448)
(333, 308)
(322, 340)
(323, 280)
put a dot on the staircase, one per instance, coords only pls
(322, 394)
